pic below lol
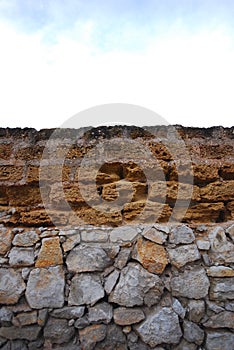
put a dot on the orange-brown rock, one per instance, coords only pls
(86, 215)
(73, 195)
(151, 255)
(212, 159)
(230, 211)
(180, 168)
(23, 195)
(11, 173)
(29, 153)
(203, 212)
(38, 218)
(6, 236)
(206, 172)
(139, 212)
(160, 151)
(173, 191)
(227, 171)
(91, 174)
(216, 151)
(5, 150)
(4, 200)
(48, 173)
(218, 191)
(74, 151)
(91, 335)
(50, 253)
(125, 190)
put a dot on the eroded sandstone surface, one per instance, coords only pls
(187, 166)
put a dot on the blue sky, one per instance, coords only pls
(60, 57)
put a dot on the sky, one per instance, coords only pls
(60, 57)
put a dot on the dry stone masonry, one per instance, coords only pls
(104, 282)
(140, 294)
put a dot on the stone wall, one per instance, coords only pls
(103, 279)
(157, 287)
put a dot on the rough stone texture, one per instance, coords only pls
(203, 244)
(207, 223)
(5, 239)
(193, 333)
(196, 310)
(26, 239)
(69, 312)
(183, 254)
(192, 283)
(230, 232)
(96, 236)
(85, 258)
(155, 235)
(126, 316)
(21, 257)
(115, 339)
(184, 345)
(211, 152)
(178, 308)
(5, 315)
(12, 286)
(161, 326)
(42, 317)
(71, 242)
(219, 340)
(222, 289)
(28, 332)
(222, 250)
(181, 234)
(81, 322)
(152, 256)
(85, 288)
(224, 319)
(110, 281)
(50, 253)
(45, 288)
(220, 271)
(102, 312)
(134, 285)
(123, 234)
(25, 318)
(122, 258)
(57, 331)
(91, 335)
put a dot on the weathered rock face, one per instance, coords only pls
(127, 316)
(193, 283)
(84, 258)
(219, 340)
(12, 286)
(135, 286)
(5, 239)
(58, 331)
(183, 254)
(126, 279)
(152, 256)
(211, 194)
(50, 253)
(85, 289)
(45, 288)
(162, 326)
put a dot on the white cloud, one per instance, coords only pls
(188, 79)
